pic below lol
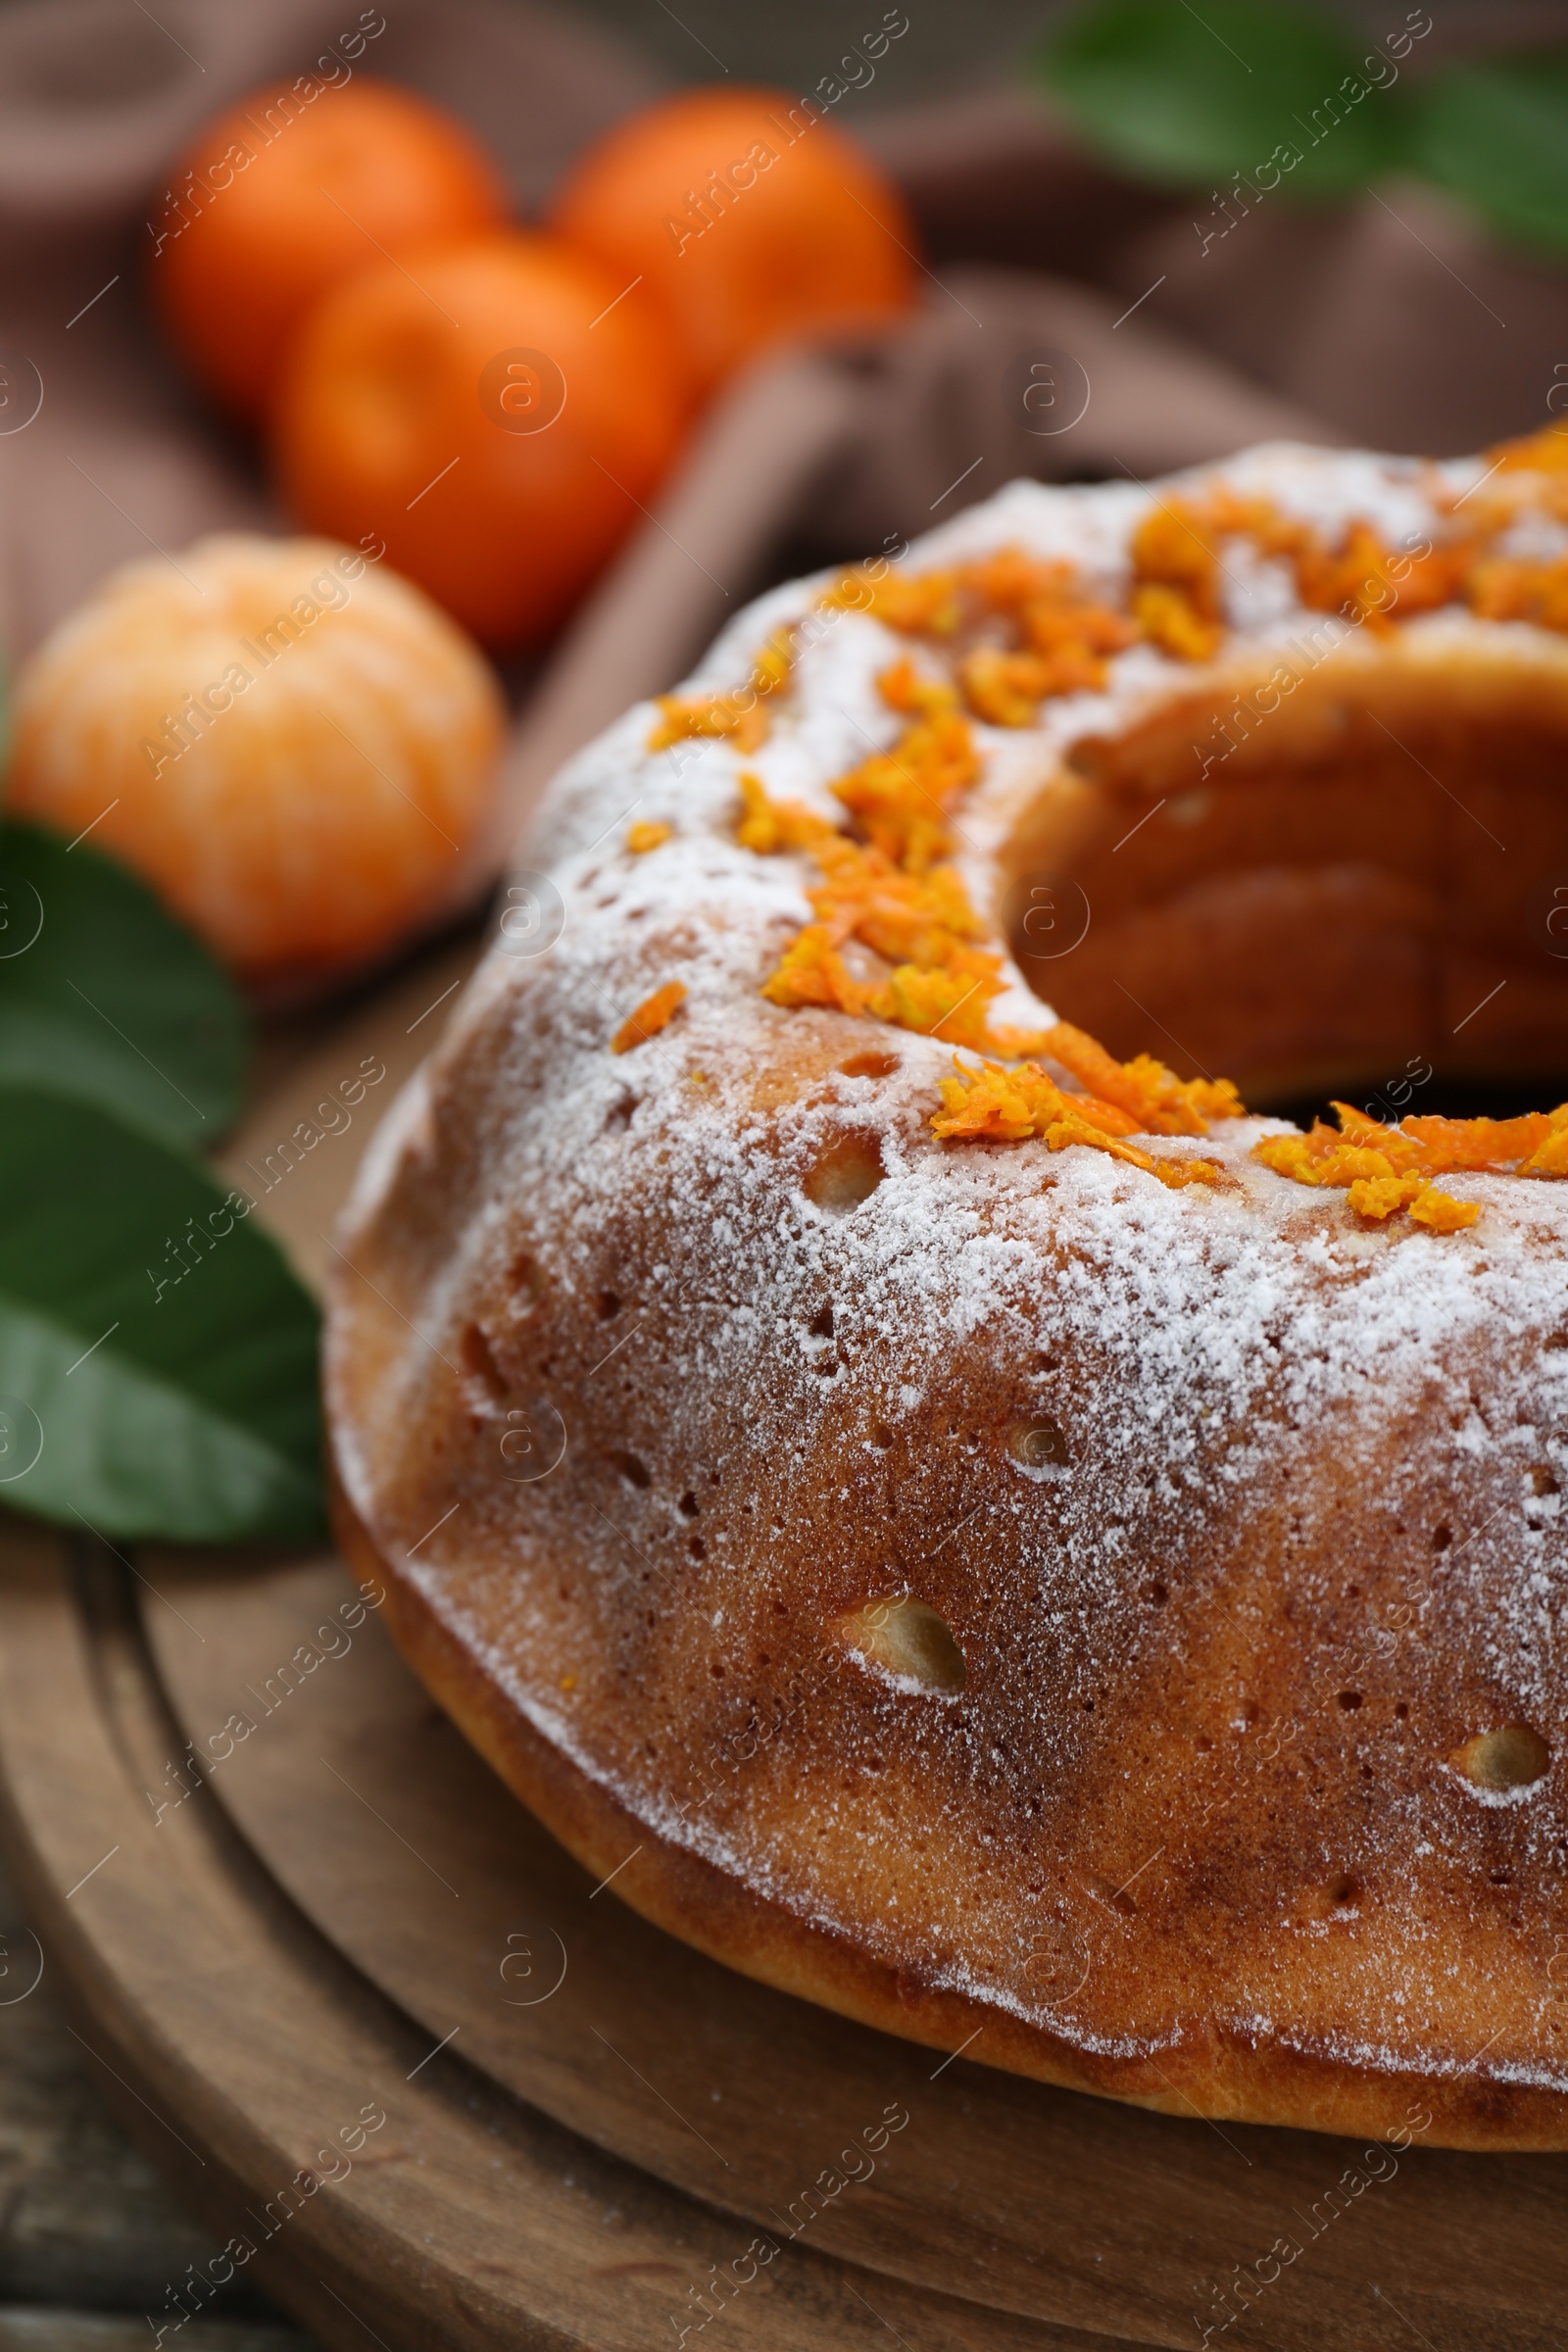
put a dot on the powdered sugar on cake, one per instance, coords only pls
(1192, 1349)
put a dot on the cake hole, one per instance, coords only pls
(1401, 1711)
(909, 1640)
(481, 1367)
(1349, 1701)
(1337, 1897)
(609, 1306)
(1542, 1481)
(1558, 1338)
(821, 1326)
(1252, 904)
(869, 1065)
(636, 1473)
(844, 1175)
(1442, 1536)
(618, 1115)
(881, 1436)
(1514, 1756)
(690, 1504)
(1037, 1446)
(1156, 1592)
(697, 1547)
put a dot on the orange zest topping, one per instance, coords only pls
(1386, 1169)
(1511, 591)
(924, 965)
(1004, 1105)
(1168, 619)
(920, 604)
(742, 716)
(1176, 591)
(1440, 1212)
(654, 1013)
(1156, 1099)
(1022, 629)
(1005, 690)
(899, 797)
(925, 969)
(949, 1001)
(647, 834)
(1062, 638)
(768, 826)
(1365, 581)
(993, 1103)
(894, 937)
(1542, 452)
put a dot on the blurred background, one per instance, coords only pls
(972, 48)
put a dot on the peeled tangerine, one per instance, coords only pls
(288, 741)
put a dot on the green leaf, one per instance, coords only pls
(157, 1355)
(104, 996)
(1184, 95)
(1497, 135)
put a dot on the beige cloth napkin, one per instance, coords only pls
(1074, 326)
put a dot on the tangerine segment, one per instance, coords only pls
(289, 743)
(749, 217)
(495, 410)
(294, 189)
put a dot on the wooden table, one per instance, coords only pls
(89, 2235)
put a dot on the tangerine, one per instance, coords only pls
(496, 410)
(748, 216)
(289, 743)
(297, 187)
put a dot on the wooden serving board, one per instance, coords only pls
(589, 2134)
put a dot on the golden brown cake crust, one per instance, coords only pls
(689, 1897)
(992, 1589)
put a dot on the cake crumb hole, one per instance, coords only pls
(480, 1366)
(1514, 1756)
(1037, 1445)
(908, 1639)
(847, 1173)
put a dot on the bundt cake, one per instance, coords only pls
(948, 1511)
